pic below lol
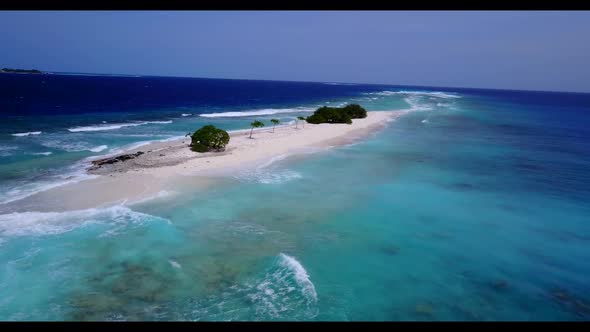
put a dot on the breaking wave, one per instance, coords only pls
(265, 175)
(268, 177)
(285, 290)
(27, 133)
(267, 111)
(72, 174)
(437, 94)
(114, 126)
(18, 224)
(5, 150)
(98, 148)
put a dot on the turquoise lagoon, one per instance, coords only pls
(472, 206)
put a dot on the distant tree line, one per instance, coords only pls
(21, 71)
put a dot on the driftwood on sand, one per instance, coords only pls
(111, 160)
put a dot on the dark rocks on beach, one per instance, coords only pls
(111, 160)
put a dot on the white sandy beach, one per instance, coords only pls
(164, 166)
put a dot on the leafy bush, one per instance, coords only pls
(209, 138)
(337, 114)
(355, 111)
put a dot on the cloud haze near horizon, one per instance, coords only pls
(540, 50)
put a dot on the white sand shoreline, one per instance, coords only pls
(166, 165)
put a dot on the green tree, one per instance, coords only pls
(355, 111)
(302, 119)
(255, 124)
(209, 138)
(337, 114)
(274, 123)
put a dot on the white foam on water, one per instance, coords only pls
(301, 275)
(43, 153)
(424, 121)
(70, 145)
(19, 224)
(114, 126)
(104, 127)
(238, 227)
(265, 176)
(286, 290)
(267, 111)
(7, 147)
(5, 150)
(72, 174)
(273, 160)
(98, 148)
(27, 134)
(175, 264)
(159, 122)
(160, 194)
(186, 114)
(30, 189)
(416, 105)
(438, 94)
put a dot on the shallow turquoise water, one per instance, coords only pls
(469, 215)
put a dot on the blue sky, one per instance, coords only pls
(538, 50)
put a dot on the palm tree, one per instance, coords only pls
(255, 124)
(274, 123)
(302, 119)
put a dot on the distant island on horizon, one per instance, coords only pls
(20, 71)
(447, 88)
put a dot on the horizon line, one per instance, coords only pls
(296, 81)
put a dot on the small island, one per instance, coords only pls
(20, 71)
(203, 155)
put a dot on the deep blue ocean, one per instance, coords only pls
(475, 205)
